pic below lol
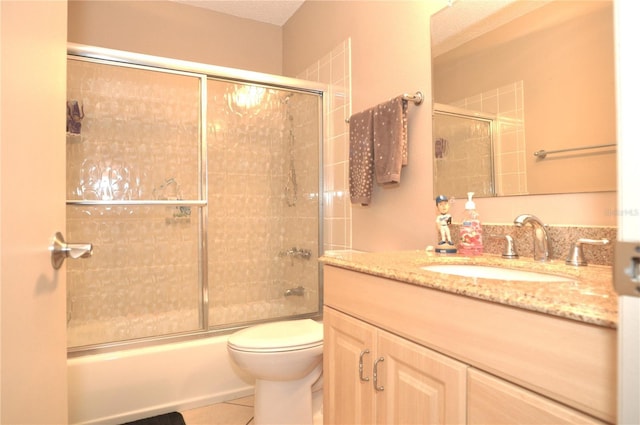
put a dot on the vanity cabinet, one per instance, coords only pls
(495, 401)
(517, 366)
(372, 376)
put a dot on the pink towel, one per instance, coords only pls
(390, 140)
(361, 157)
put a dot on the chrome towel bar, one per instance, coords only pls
(542, 154)
(416, 98)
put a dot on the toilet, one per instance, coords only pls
(285, 358)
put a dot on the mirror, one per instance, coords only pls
(524, 97)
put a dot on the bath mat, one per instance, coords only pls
(173, 418)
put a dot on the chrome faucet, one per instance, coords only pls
(540, 235)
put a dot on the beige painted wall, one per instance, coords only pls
(390, 55)
(173, 30)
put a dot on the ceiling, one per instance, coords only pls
(275, 12)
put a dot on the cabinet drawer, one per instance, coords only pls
(492, 400)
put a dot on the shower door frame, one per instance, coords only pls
(203, 72)
(440, 109)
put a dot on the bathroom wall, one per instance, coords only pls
(173, 30)
(390, 55)
(334, 69)
(390, 47)
(240, 195)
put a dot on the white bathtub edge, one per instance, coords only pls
(124, 386)
(169, 407)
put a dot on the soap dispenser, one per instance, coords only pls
(470, 229)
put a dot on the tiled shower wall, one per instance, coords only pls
(334, 69)
(139, 141)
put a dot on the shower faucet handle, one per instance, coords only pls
(298, 292)
(296, 253)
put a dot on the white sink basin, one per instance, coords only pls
(490, 272)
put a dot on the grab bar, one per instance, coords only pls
(542, 154)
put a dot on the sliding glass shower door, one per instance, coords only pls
(200, 195)
(263, 172)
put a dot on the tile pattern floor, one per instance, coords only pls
(234, 412)
(238, 412)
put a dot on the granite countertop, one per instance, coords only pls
(587, 297)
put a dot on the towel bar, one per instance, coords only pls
(542, 154)
(416, 98)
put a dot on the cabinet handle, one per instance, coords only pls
(361, 366)
(375, 375)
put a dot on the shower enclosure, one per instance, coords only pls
(199, 188)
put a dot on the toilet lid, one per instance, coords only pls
(278, 336)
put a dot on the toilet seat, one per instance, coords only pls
(281, 336)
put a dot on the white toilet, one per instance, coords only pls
(285, 358)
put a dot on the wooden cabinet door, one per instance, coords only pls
(348, 397)
(494, 401)
(420, 385)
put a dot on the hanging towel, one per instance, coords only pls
(361, 157)
(390, 140)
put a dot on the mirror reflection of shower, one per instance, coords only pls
(478, 152)
(463, 152)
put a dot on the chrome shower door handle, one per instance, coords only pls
(361, 365)
(61, 250)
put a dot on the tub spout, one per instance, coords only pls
(540, 235)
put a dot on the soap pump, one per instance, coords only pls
(470, 229)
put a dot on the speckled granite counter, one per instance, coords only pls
(588, 297)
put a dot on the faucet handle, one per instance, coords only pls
(576, 254)
(509, 247)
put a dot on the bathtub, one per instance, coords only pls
(112, 388)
